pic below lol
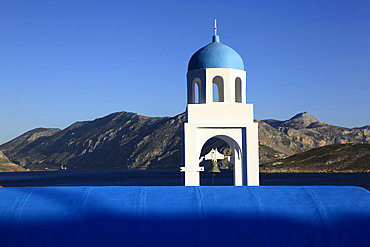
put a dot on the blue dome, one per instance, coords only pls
(216, 55)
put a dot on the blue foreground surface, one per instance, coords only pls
(185, 216)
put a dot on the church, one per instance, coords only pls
(217, 108)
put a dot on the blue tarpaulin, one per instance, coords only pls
(185, 216)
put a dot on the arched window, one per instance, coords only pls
(218, 89)
(196, 92)
(238, 90)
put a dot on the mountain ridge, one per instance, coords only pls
(127, 140)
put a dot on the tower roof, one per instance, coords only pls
(216, 55)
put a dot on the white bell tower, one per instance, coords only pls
(217, 108)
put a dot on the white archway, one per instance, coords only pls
(218, 92)
(243, 138)
(196, 94)
(195, 91)
(236, 139)
(238, 90)
(236, 158)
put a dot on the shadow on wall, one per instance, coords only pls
(184, 216)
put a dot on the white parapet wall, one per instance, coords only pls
(220, 113)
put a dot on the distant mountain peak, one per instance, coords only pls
(302, 114)
(303, 120)
(300, 121)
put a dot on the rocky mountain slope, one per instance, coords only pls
(126, 140)
(7, 166)
(311, 132)
(354, 157)
(303, 132)
(118, 141)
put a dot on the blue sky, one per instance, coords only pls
(67, 61)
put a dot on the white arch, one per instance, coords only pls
(230, 141)
(236, 158)
(194, 98)
(219, 82)
(234, 138)
(196, 90)
(238, 90)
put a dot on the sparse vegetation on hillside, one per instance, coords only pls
(7, 166)
(348, 158)
(125, 140)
